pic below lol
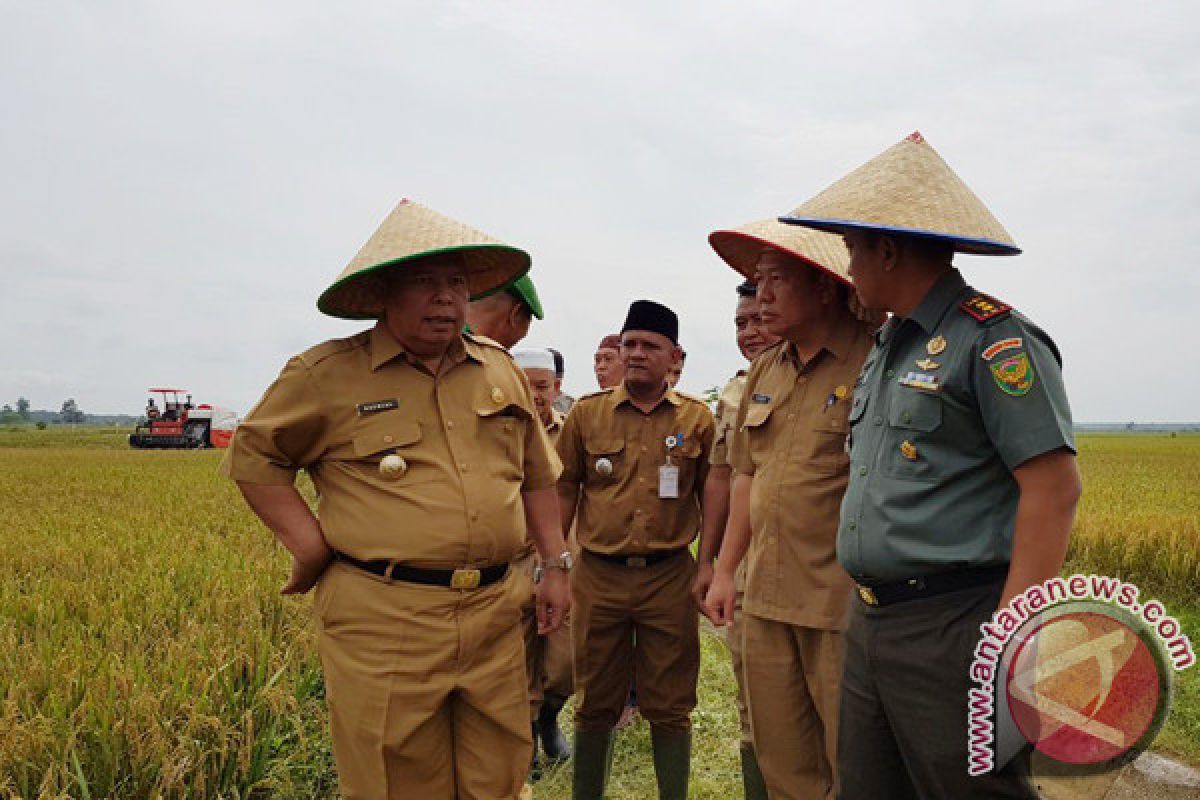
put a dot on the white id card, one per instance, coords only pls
(668, 481)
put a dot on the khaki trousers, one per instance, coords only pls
(792, 687)
(425, 686)
(549, 661)
(635, 623)
(733, 638)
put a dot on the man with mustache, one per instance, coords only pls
(431, 464)
(634, 468)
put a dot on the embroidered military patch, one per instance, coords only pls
(999, 347)
(927, 364)
(984, 308)
(377, 406)
(1014, 375)
(921, 380)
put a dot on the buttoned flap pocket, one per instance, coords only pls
(757, 415)
(502, 438)
(915, 410)
(605, 456)
(379, 434)
(828, 453)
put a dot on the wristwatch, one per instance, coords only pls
(565, 562)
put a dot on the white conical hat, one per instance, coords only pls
(741, 247)
(411, 232)
(908, 189)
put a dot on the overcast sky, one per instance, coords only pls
(181, 180)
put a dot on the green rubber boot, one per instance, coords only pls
(752, 778)
(672, 763)
(592, 762)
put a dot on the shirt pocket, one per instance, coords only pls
(501, 440)
(830, 454)
(756, 430)
(914, 419)
(379, 435)
(605, 461)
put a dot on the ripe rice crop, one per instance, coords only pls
(145, 650)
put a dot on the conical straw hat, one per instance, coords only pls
(409, 233)
(741, 247)
(908, 189)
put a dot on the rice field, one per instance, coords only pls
(145, 650)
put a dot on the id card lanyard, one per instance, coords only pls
(668, 473)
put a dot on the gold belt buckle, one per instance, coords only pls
(868, 595)
(465, 579)
(635, 561)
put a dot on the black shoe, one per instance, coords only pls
(554, 743)
(535, 764)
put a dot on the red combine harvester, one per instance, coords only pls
(180, 425)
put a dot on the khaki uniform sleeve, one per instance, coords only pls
(708, 432)
(1022, 400)
(719, 454)
(541, 461)
(739, 445)
(282, 434)
(570, 448)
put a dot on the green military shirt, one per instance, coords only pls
(950, 401)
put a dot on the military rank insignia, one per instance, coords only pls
(983, 308)
(921, 380)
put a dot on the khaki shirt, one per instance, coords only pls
(951, 400)
(470, 437)
(791, 438)
(553, 430)
(726, 418)
(621, 513)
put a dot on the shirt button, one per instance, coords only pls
(464, 466)
(450, 423)
(388, 439)
(474, 515)
(862, 470)
(891, 373)
(852, 525)
(791, 416)
(907, 417)
(643, 448)
(878, 420)
(637, 511)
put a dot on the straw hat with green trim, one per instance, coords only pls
(412, 232)
(742, 247)
(909, 190)
(522, 289)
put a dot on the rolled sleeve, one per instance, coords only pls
(282, 434)
(1024, 409)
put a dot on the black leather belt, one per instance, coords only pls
(644, 560)
(885, 594)
(466, 578)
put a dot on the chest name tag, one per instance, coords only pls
(668, 482)
(377, 406)
(922, 380)
(761, 398)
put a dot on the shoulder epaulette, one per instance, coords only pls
(318, 353)
(597, 393)
(984, 308)
(479, 338)
(692, 397)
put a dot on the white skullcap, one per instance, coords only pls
(534, 359)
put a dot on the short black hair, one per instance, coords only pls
(559, 364)
(747, 289)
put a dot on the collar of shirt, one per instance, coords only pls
(838, 345)
(556, 421)
(937, 301)
(621, 395)
(385, 348)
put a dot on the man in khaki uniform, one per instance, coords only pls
(429, 462)
(752, 339)
(548, 658)
(607, 362)
(505, 316)
(634, 466)
(792, 468)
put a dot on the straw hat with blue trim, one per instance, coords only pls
(908, 190)
(410, 233)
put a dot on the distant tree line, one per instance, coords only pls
(69, 414)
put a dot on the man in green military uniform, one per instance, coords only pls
(505, 316)
(963, 481)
